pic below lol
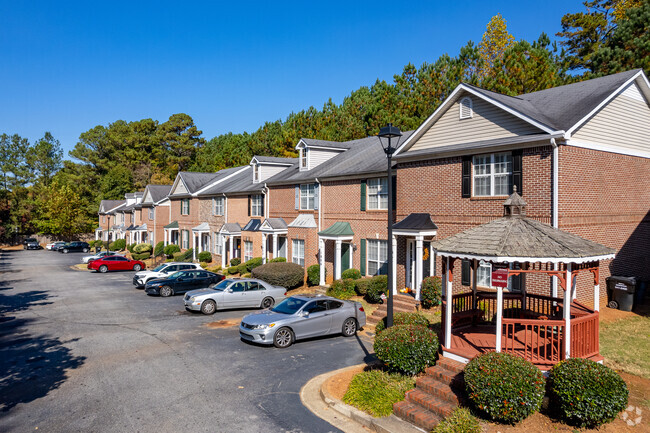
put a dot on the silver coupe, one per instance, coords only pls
(302, 316)
(234, 293)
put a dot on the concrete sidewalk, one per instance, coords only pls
(318, 400)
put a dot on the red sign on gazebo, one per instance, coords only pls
(499, 275)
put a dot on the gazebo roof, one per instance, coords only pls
(518, 238)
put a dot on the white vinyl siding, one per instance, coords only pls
(298, 251)
(492, 174)
(377, 257)
(180, 188)
(248, 250)
(217, 205)
(377, 193)
(307, 196)
(256, 205)
(256, 173)
(319, 156)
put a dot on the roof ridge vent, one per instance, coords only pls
(514, 205)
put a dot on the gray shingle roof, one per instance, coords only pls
(159, 192)
(276, 223)
(194, 181)
(239, 183)
(416, 222)
(107, 205)
(275, 159)
(326, 143)
(231, 228)
(253, 225)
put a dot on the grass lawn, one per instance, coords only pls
(625, 344)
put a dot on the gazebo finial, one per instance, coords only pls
(515, 205)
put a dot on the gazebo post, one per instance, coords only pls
(596, 287)
(567, 312)
(499, 318)
(449, 278)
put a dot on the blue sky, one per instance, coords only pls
(68, 66)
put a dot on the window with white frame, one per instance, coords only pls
(256, 205)
(492, 174)
(256, 173)
(484, 274)
(103, 219)
(185, 206)
(307, 196)
(248, 250)
(304, 162)
(186, 239)
(466, 109)
(378, 193)
(151, 213)
(217, 205)
(377, 257)
(217, 243)
(298, 251)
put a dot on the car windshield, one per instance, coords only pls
(159, 268)
(289, 306)
(223, 284)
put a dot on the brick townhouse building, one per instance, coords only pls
(107, 211)
(155, 207)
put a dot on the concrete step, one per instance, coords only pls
(416, 415)
(439, 407)
(437, 389)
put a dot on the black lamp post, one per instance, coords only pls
(389, 132)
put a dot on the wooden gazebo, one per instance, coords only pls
(542, 329)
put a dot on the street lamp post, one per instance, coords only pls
(389, 132)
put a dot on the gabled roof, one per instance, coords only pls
(192, 181)
(171, 225)
(221, 176)
(274, 160)
(274, 224)
(106, 206)
(326, 144)
(240, 182)
(231, 229)
(304, 221)
(416, 222)
(253, 225)
(157, 192)
(203, 227)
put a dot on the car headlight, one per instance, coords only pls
(261, 327)
(192, 299)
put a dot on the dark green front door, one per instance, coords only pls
(345, 257)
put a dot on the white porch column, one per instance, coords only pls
(449, 278)
(596, 296)
(337, 260)
(165, 237)
(264, 236)
(223, 250)
(321, 260)
(232, 241)
(567, 312)
(499, 318)
(193, 246)
(418, 265)
(275, 245)
(394, 264)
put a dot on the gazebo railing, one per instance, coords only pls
(584, 335)
(539, 341)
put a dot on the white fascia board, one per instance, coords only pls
(175, 184)
(337, 149)
(300, 144)
(497, 259)
(607, 148)
(116, 208)
(335, 238)
(219, 181)
(605, 102)
(411, 233)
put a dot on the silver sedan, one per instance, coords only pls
(302, 316)
(234, 293)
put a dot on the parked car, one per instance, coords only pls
(181, 282)
(31, 244)
(115, 263)
(55, 246)
(88, 259)
(74, 247)
(234, 293)
(302, 316)
(162, 271)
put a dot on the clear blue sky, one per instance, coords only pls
(68, 66)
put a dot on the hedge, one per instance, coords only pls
(342, 289)
(252, 264)
(313, 275)
(143, 248)
(118, 245)
(377, 286)
(130, 247)
(403, 318)
(361, 286)
(351, 273)
(141, 256)
(431, 292)
(461, 420)
(159, 249)
(407, 349)
(277, 260)
(376, 391)
(205, 257)
(235, 261)
(289, 275)
(171, 249)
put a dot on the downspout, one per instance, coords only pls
(225, 207)
(554, 205)
(267, 199)
(320, 202)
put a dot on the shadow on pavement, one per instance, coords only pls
(21, 301)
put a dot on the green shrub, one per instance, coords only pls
(141, 256)
(171, 249)
(235, 262)
(277, 260)
(241, 268)
(313, 275)
(142, 248)
(376, 391)
(342, 289)
(160, 248)
(403, 318)
(232, 270)
(289, 275)
(376, 288)
(96, 243)
(178, 257)
(246, 275)
(253, 263)
(130, 247)
(461, 420)
(205, 257)
(431, 292)
(188, 256)
(586, 393)
(118, 245)
(505, 387)
(351, 273)
(407, 349)
(361, 286)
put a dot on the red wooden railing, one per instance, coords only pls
(584, 336)
(544, 306)
(461, 302)
(539, 341)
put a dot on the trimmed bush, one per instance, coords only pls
(342, 289)
(141, 256)
(403, 318)
(289, 275)
(361, 286)
(142, 248)
(376, 391)
(235, 262)
(431, 292)
(407, 349)
(178, 257)
(351, 273)
(586, 393)
(505, 387)
(130, 247)
(376, 288)
(96, 243)
(278, 260)
(252, 264)
(232, 270)
(313, 275)
(159, 249)
(205, 257)
(461, 420)
(188, 256)
(118, 245)
(171, 249)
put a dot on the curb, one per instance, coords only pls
(345, 417)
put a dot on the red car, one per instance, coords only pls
(115, 263)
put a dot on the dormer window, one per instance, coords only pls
(303, 159)
(256, 173)
(466, 110)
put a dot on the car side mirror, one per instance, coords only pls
(229, 290)
(304, 314)
(181, 279)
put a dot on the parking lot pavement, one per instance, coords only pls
(83, 351)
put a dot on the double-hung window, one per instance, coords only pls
(186, 239)
(217, 243)
(377, 257)
(217, 205)
(492, 174)
(378, 193)
(103, 219)
(185, 206)
(151, 213)
(298, 252)
(303, 159)
(256, 173)
(248, 250)
(307, 196)
(256, 205)
(484, 274)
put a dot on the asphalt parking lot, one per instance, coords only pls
(83, 351)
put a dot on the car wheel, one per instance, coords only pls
(65, 251)
(137, 267)
(349, 327)
(85, 250)
(103, 269)
(208, 307)
(267, 302)
(283, 338)
(166, 291)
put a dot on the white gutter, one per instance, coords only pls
(320, 202)
(225, 208)
(267, 199)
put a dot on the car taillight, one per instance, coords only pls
(361, 309)
(285, 293)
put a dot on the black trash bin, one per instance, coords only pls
(621, 292)
(98, 250)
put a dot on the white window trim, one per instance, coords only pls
(376, 259)
(152, 215)
(307, 196)
(299, 259)
(491, 175)
(216, 200)
(304, 159)
(185, 211)
(248, 250)
(256, 173)
(378, 207)
(256, 209)
(470, 104)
